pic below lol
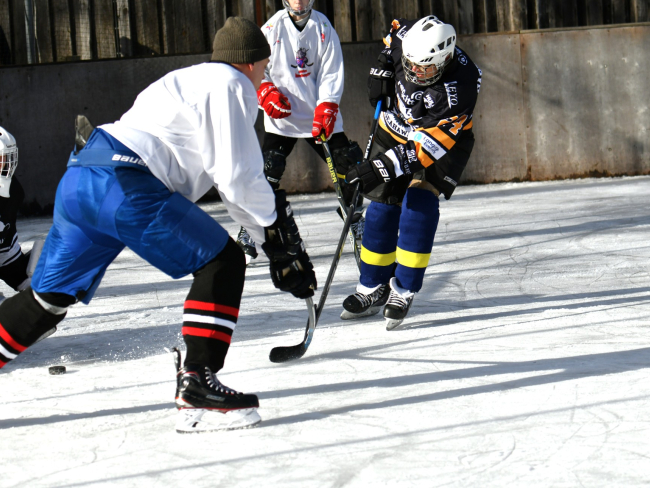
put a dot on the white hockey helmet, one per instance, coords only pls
(427, 48)
(8, 161)
(304, 6)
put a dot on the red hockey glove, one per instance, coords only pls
(274, 103)
(324, 118)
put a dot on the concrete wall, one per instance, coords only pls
(553, 104)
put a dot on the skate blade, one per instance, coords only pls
(345, 315)
(194, 420)
(394, 324)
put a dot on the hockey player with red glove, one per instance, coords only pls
(300, 97)
(135, 183)
(428, 87)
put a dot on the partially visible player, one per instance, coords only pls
(300, 96)
(13, 263)
(421, 149)
(135, 183)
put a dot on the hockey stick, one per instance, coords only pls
(281, 354)
(339, 196)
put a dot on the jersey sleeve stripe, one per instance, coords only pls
(393, 134)
(469, 126)
(441, 137)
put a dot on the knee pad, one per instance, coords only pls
(274, 164)
(417, 229)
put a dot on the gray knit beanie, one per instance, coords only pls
(240, 41)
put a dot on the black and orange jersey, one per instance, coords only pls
(435, 116)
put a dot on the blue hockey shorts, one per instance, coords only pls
(101, 209)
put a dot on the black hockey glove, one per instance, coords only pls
(291, 269)
(372, 173)
(381, 83)
(385, 167)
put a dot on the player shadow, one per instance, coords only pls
(574, 367)
(52, 419)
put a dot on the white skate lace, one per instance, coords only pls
(215, 384)
(397, 300)
(358, 228)
(367, 300)
(245, 238)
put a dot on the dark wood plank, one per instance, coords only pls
(343, 20)
(81, 10)
(246, 8)
(465, 17)
(19, 39)
(44, 51)
(105, 33)
(6, 29)
(640, 10)
(147, 28)
(363, 20)
(60, 15)
(124, 28)
(187, 15)
(480, 16)
(620, 12)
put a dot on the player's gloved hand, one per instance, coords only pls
(385, 167)
(291, 269)
(274, 103)
(381, 83)
(324, 118)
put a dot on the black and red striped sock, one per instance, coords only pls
(212, 307)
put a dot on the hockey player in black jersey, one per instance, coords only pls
(13, 263)
(428, 87)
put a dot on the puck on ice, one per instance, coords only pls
(56, 369)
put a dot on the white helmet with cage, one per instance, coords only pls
(301, 7)
(8, 161)
(427, 49)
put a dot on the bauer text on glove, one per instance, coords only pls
(381, 83)
(274, 103)
(324, 118)
(291, 269)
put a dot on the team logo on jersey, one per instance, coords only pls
(429, 102)
(462, 59)
(428, 144)
(452, 93)
(409, 99)
(401, 33)
(302, 63)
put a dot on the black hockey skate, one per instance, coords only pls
(205, 404)
(362, 305)
(247, 244)
(397, 306)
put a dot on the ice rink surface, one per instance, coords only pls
(524, 363)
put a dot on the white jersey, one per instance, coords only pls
(307, 67)
(194, 129)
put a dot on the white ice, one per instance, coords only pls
(525, 362)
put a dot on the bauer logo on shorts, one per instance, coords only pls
(128, 159)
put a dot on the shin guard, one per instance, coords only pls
(212, 307)
(378, 244)
(24, 321)
(418, 224)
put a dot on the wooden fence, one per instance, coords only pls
(43, 31)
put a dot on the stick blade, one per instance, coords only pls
(282, 354)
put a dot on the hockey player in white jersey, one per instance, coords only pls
(135, 183)
(300, 96)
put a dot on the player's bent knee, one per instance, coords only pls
(424, 185)
(223, 276)
(275, 163)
